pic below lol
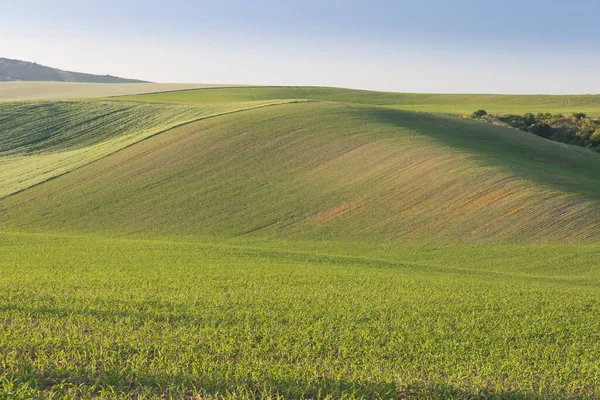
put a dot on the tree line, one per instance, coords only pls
(577, 128)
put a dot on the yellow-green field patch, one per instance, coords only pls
(42, 140)
(76, 90)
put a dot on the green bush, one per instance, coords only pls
(479, 113)
(529, 119)
(542, 129)
(586, 128)
(577, 129)
(543, 116)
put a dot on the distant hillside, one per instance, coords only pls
(422, 102)
(16, 70)
(20, 90)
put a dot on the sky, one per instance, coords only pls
(431, 46)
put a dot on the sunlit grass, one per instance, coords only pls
(69, 90)
(141, 318)
(327, 171)
(42, 140)
(435, 103)
(322, 250)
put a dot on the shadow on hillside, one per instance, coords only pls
(80, 383)
(557, 165)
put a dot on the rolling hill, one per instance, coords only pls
(318, 170)
(17, 70)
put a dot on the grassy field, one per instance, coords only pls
(334, 172)
(94, 317)
(63, 136)
(71, 90)
(434, 103)
(243, 243)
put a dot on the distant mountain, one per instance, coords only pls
(16, 70)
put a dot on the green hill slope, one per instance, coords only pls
(327, 172)
(437, 103)
(42, 140)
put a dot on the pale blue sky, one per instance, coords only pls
(527, 46)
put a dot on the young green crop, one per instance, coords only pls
(328, 172)
(437, 103)
(112, 318)
(322, 250)
(40, 140)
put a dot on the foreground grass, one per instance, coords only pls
(121, 319)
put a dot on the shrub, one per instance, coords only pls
(579, 116)
(543, 117)
(586, 128)
(479, 113)
(542, 129)
(514, 120)
(595, 136)
(529, 119)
